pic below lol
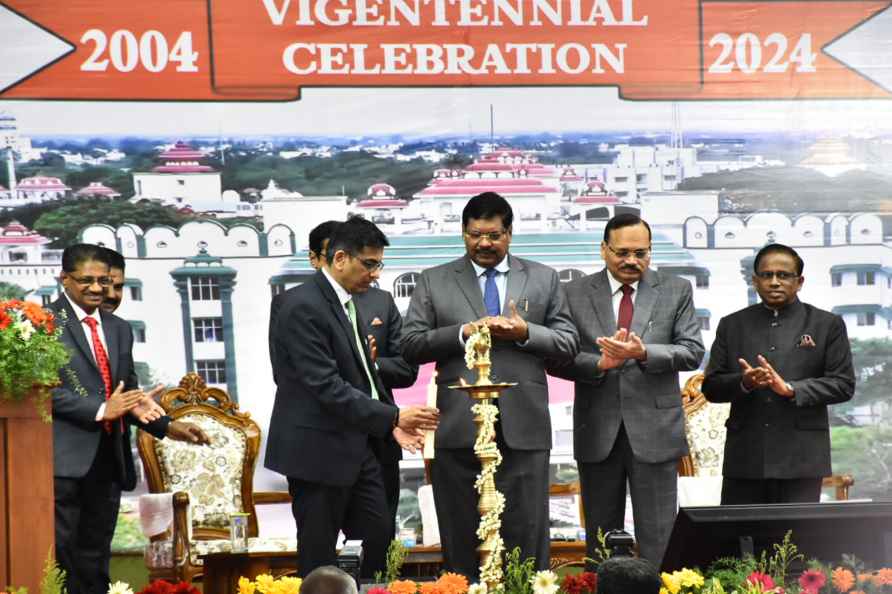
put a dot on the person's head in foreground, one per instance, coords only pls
(328, 579)
(627, 575)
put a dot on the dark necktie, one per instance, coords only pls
(491, 293)
(101, 361)
(626, 309)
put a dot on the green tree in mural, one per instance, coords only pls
(12, 291)
(65, 222)
(864, 447)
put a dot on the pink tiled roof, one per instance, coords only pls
(97, 189)
(382, 203)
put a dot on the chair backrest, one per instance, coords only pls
(218, 477)
(705, 429)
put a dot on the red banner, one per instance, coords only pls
(270, 49)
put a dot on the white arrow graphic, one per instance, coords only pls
(25, 48)
(867, 49)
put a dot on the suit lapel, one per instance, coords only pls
(76, 330)
(467, 282)
(517, 282)
(602, 302)
(338, 311)
(112, 346)
(648, 291)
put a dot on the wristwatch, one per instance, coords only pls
(790, 388)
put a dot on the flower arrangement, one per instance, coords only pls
(448, 583)
(267, 584)
(580, 583)
(155, 587)
(30, 351)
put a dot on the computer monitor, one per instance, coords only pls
(822, 531)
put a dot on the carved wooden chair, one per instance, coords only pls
(208, 482)
(705, 430)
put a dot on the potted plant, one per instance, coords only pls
(31, 354)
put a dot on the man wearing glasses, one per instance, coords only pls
(334, 423)
(637, 331)
(93, 408)
(524, 306)
(779, 363)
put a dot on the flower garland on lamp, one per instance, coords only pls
(491, 503)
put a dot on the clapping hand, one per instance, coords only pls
(621, 346)
(148, 410)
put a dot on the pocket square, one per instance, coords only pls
(377, 321)
(806, 342)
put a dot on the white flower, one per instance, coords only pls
(477, 589)
(26, 329)
(544, 582)
(120, 588)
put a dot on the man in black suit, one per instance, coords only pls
(333, 420)
(93, 409)
(779, 363)
(384, 327)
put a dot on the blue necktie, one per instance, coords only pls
(491, 293)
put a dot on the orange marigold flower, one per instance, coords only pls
(843, 579)
(884, 577)
(864, 577)
(5, 321)
(403, 587)
(453, 583)
(857, 592)
(430, 588)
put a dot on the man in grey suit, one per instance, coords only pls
(524, 306)
(638, 330)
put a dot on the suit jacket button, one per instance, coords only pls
(772, 347)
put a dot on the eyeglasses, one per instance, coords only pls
(371, 265)
(89, 281)
(781, 275)
(493, 236)
(623, 254)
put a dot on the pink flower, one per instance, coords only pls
(812, 580)
(378, 590)
(763, 580)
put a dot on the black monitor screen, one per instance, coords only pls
(823, 531)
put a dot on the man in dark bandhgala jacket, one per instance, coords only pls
(779, 363)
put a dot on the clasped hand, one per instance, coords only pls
(413, 422)
(616, 349)
(512, 327)
(763, 376)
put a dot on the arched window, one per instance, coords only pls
(404, 284)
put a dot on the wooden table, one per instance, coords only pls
(222, 570)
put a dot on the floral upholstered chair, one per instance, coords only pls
(700, 473)
(208, 482)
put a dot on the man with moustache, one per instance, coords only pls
(384, 326)
(779, 363)
(115, 293)
(333, 421)
(637, 330)
(93, 408)
(524, 306)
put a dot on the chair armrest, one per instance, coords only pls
(841, 482)
(180, 544)
(267, 497)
